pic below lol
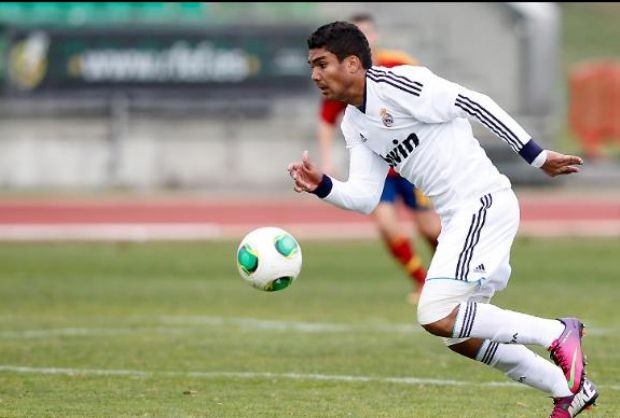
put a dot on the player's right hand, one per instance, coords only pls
(305, 173)
(558, 164)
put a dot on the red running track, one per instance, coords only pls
(132, 218)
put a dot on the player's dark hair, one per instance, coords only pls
(342, 39)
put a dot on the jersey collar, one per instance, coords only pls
(362, 108)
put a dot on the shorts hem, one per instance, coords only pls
(480, 280)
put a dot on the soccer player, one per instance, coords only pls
(395, 187)
(415, 121)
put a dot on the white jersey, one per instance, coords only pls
(417, 123)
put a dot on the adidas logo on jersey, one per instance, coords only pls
(479, 269)
(401, 150)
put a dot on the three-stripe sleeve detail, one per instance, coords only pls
(489, 120)
(473, 237)
(395, 80)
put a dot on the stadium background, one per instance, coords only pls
(211, 100)
(133, 123)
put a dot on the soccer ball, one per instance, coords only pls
(269, 259)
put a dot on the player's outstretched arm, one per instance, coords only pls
(557, 164)
(362, 190)
(448, 100)
(306, 174)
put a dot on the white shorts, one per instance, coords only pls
(472, 260)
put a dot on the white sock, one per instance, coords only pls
(524, 366)
(488, 322)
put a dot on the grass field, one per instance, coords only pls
(170, 330)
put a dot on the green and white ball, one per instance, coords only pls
(269, 259)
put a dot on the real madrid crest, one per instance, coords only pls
(387, 119)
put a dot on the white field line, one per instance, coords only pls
(172, 231)
(279, 325)
(212, 231)
(108, 232)
(90, 332)
(192, 324)
(569, 228)
(259, 375)
(302, 326)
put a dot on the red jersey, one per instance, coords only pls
(332, 109)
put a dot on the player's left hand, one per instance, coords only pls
(559, 164)
(306, 174)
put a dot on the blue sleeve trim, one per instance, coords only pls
(324, 187)
(530, 151)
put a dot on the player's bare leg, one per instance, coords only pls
(400, 246)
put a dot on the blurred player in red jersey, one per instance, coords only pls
(385, 215)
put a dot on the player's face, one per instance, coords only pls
(331, 76)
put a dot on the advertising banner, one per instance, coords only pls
(217, 61)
